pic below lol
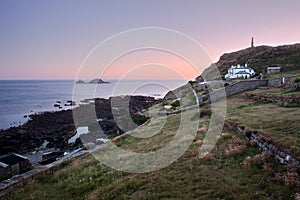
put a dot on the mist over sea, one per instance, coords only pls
(19, 98)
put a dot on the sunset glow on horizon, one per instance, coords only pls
(51, 39)
(148, 64)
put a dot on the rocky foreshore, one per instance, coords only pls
(58, 127)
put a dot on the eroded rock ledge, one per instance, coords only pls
(58, 127)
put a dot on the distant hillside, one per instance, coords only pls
(259, 57)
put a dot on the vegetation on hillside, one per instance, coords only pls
(234, 169)
(259, 58)
(280, 122)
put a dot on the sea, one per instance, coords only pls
(21, 98)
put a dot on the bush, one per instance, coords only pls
(297, 83)
(139, 120)
(205, 112)
(176, 103)
(4, 178)
(296, 80)
(192, 82)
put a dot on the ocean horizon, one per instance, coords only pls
(21, 98)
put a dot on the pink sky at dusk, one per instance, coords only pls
(51, 39)
(145, 65)
(159, 64)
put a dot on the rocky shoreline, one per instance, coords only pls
(58, 127)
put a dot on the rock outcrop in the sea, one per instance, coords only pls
(79, 81)
(258, 58)
(58, 127)
(98, 81)
(94, 81)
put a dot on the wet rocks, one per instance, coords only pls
(61, 104)
(57, 127)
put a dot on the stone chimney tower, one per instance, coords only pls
(252, 42)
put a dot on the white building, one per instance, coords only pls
(271, 70)
(239, 71)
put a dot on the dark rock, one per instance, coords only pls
(98, 81)
(57, 127)
(80, 81)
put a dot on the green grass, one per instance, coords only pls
(278, 92)
(258, 103)
(235, 170)
(291, 92)
(291, 105)
(280, 122)
(189, 177)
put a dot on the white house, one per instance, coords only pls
(239, 71)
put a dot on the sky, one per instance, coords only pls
(51, 39)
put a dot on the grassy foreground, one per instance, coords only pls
(234, 169)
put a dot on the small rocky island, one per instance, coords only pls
(94, 81)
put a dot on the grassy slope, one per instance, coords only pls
(281, 123)
(225, 174)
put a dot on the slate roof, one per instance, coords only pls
(241, 67)
(12, 159)
(273, 67)
(242, 72)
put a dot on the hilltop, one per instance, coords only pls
(286, 56)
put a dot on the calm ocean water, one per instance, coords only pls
(24, 97)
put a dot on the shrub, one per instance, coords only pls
(192, 82)
(297, 83)
(176, 103)
(205, 112)
(296, 80)
(139, 120)
(4, 178)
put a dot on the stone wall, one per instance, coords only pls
(242, 86)
(233, 89)
(273, 99)
(274, 82)
(245, 85)
(265, 143)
